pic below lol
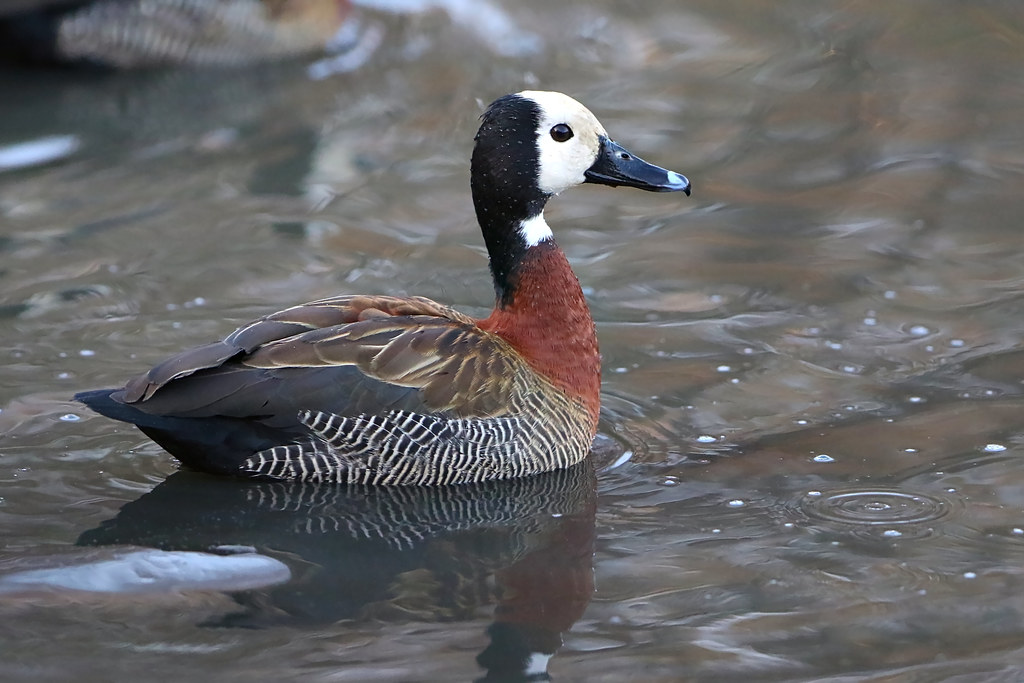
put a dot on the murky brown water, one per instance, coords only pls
(813, 398)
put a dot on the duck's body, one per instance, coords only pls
(389, 390)
(380, 390)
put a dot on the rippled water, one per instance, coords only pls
(812, 370)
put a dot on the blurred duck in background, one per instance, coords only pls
(150, 33)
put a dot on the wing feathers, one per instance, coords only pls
(182, 365)
(414, 343)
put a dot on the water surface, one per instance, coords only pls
(812, 370)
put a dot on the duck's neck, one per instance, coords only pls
(541, 312)
(505, 203)
(539, 307)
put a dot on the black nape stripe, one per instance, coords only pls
(503, 178)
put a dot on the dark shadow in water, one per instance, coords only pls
(430, 554)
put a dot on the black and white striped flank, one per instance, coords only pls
(413, 449)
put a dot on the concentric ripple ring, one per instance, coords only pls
(873, 507)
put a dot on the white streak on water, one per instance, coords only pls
(152, 571)
(622, 460)
(37, 152)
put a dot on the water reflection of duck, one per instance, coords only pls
(134, 33)
(389, 390)
(421, 554)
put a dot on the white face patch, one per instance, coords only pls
(535, 230)
(562, 164)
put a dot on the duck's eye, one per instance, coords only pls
(561, 132)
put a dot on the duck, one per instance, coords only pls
(405, 391)
(129, 34)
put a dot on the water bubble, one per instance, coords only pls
(915, 399)
(86, 353)
(956, 343)
(734, 380)
(889, 294)
(870, 322)
(834, 345)
(813, 494)
(910, 450)
(822, 457)
(994, 448)
(892, 533)
(69, 417)
(706, 438)
(801, 422)
(716, 531)
(736, 503)
(1017, 531)
(724, 368)
(970, 575)
(620, 370)
(919, 330)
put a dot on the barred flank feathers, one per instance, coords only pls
(403, 448)
(130, 33)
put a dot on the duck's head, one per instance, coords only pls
(531, 146)
(535, 144)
